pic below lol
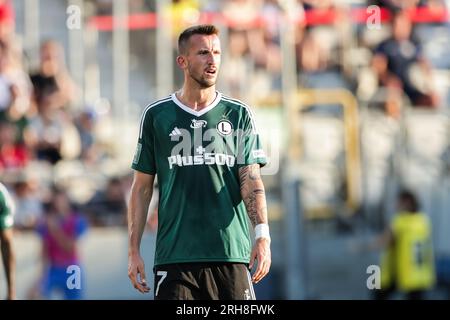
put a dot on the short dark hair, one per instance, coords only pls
(410, 201)
(204, 29)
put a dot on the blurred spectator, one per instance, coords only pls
(269, 68)
(400, 66)
(320, 49)
(242, 14)
(46, 130)
(254, 48)
(85, 124)
(60, 230)
(6, 238)
(108, 207)
(13, 155)
(52, 133)
(312, 55)
(29, 209)
(6, 87)
(53, 81)
(235, 72)
(181, 14)
(408, 263)
(7, 20)
(15, 85)
(15, 93)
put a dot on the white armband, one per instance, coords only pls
(262, 231)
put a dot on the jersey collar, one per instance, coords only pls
(192, 111)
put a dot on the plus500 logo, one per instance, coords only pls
(206, 158)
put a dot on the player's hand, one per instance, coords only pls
(261, 252)
(136, 273)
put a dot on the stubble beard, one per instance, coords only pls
(202, 82)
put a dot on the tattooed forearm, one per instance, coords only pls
(254, 209)
(253, 173)
(250, 172)
(243, 172)
(253, 194)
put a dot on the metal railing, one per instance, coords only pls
(308, 97)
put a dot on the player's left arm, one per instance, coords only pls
(253, 194)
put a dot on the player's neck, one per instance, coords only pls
(197, 99)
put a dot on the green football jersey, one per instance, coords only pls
(196, 156)
(6, 208)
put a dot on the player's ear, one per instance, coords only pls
(181, 61)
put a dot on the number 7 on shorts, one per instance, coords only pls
(163, 275)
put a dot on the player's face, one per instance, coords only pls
(203, 59)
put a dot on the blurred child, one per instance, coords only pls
(408, 262)
(60, 230)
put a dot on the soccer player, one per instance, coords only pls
(205, 150)
(6, 237)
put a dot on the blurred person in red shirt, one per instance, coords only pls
(60, 231)
(13, 155)
(7, 19)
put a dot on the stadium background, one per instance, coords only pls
(338, 153)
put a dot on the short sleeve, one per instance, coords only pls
(6, 209)
(144, 156)
(81, 226)
(250, 148)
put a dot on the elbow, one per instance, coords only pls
(141, 189)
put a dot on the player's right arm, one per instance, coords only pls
(7, 208)
(141, 194)
(9, 261)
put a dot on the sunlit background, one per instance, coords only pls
(343, 136)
